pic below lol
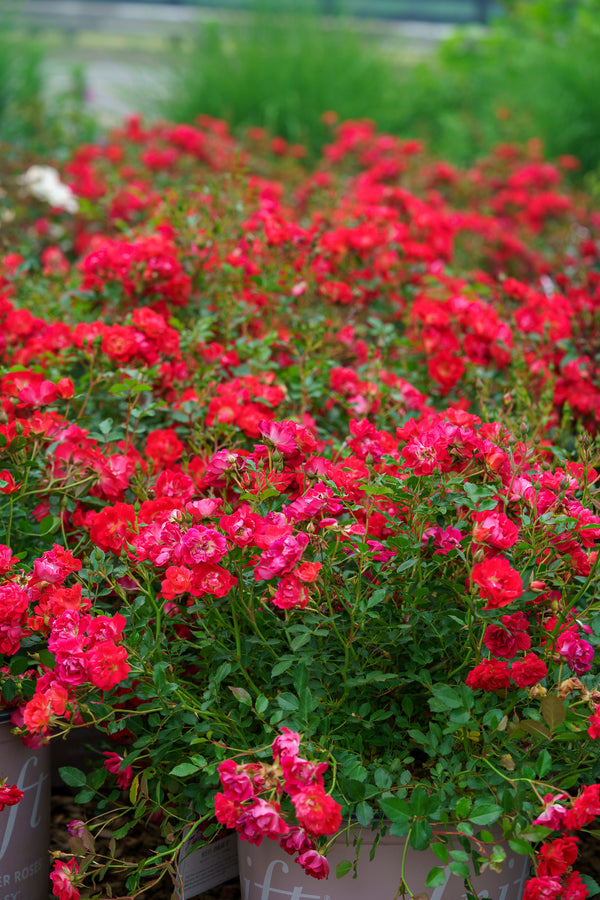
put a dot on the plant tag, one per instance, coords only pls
(208, 866)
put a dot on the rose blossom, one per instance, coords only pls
(314, 864)
(316, 811)
(528, 671)
(62, 877)
(10, 795)
(260, 819)
(286, 744)
(543, 888)
(577, 652)
(557, 857)
(498, 582)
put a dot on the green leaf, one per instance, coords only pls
(364, 813)
(418, 801)
(396, 809)
(261, 705)
(485, 813)
(592, 886)
(282, 666)
(300, 640)
(460, 868)
(441, 851)
(383, 779)
(71, 776)
(553, 711)
(463, 807)
(420, 835)
(183, 769)
(241, 695)
(435, 878)
(301, 677)
(288, 702)
(543, 764)
(519, 845)
(343, 868)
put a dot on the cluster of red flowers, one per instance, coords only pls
(86, 649)
(242, 805)
(230, 387)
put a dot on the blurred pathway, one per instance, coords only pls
(124, 65)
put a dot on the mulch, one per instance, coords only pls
(141, 841)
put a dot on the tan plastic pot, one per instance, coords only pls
(268, 873)
(24, 828)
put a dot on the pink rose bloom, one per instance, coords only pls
(544, 888)
(63, 877)
(281, 556)
(113, 763)
(494, 529)
(203, 545)
(286, 744)
(290, 594)
(554, 813)
(10, 795)
(314, 864)
(577, 652)
(259, 820)
(236, 781)
(316, 811)
(296, 841)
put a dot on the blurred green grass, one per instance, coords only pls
(535, 73)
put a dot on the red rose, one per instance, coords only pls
(498, 582)
(558, 856)
(528, 671)
(489, 675)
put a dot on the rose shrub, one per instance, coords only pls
(299, 495)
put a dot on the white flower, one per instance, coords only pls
(43, 183)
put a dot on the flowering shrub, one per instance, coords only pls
(299, 497)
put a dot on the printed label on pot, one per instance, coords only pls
(208, 866)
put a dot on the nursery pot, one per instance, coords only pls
(24, 828)
(268, 873)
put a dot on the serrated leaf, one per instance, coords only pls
(592, 886)
(463, 807)
(261, 705)
(519, 845)
(282, 666)
(183, 769)
(441, 851)
(343, 868)
(553, 711)
(383, 779)
(364, 813)
(288, 701)
(71, 776)
(241, 695)
(420, 835)
(536, 728)
(435, 878)
(460, 868)
(485, 813)
(543, 764)
(396, 809)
